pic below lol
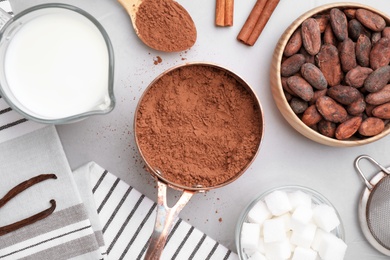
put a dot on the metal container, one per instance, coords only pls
(167, 215)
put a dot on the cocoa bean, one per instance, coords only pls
(314, 76)
(355, 29)
(292, 65)
(363, 49)
(347, 55)
(339, 23)
(382, 111)
(328, 61)
(356, 76)
(375, 37)
(350, 13)
(311, 36)
(322, 20)
(311, 116)
(329, 36)
(386, 32)
(380, 53)
(371, 126)
(331, 110)
(357, 107)
(288, 96)
(377, 79)
(348, 128)
(294, 44)
(317, 94)
(370, 20)
(298, 105)
(327, 128)
(308, 58)
(369, 109)
(286, 87)
(380, 97)
(300, 87)
(343, 94)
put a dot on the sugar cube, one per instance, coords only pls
(250, 235)
(299, 198)
(301, 253)
(257, 256)
(325, 217)
(301, 216)
(259, 213)
(318, 238)
(304, 236)
(274, 230)
(278, 202)
(278, 250)
(260, 246)
(286, 217)
(332, 247)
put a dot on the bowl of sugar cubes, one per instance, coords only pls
(290, 222)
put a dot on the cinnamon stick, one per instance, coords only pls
(256, 21)
(229, 10)
(224, 10)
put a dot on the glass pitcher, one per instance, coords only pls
(57, 64)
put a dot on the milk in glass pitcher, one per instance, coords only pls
(57, 64)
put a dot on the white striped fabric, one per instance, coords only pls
(13, 124)
(68, 232)
(127, 219)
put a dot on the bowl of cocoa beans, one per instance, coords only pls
(330, 74)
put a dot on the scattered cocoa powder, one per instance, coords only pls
(157, 60)
(165, 25)
(198, 125)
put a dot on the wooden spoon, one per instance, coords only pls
(163, 25)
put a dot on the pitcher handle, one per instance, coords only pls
(4, 17)
(164, 220)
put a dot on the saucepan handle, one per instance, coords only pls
(165, 219)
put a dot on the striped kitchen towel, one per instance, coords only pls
(13, 124)
(127, 220)
(69, 232)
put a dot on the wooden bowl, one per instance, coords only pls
(278, 93)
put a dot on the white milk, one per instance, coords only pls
(57, 66)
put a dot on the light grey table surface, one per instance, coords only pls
(285, 157)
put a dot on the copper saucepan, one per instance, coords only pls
(166, 216)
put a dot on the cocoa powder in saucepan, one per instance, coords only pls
(165, 25)
(198, 126)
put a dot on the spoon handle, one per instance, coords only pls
(131, 7)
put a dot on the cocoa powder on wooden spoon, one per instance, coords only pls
(163, 25)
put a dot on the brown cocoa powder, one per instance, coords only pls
(165, 25)
(198, 126)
